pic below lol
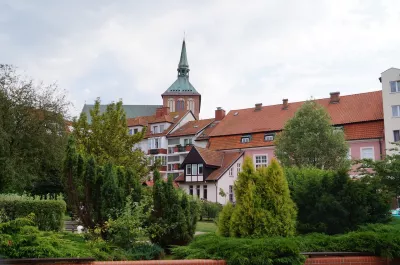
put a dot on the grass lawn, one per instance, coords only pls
(208, 227)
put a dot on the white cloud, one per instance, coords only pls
(240, 53)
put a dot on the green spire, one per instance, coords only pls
(183, 67)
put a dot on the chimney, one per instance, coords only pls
(258, 106)
(285, 103)
(219, 114)
(162, 111)
(335, 97)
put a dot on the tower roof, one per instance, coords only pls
(182, 86)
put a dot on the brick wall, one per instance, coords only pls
(349, 261)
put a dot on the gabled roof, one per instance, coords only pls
(131, 111)
(219, 159)
(191, 128)
(205, 135)
(350, 109)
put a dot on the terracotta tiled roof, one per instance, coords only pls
(205, 135)
(353, 131)
(139, 121)
(191, 128)
(228, 159)
(211, 158)
(350, 109)
(365, 130)
(180, 178)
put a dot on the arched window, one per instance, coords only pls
(171, 104)
(180, 104)
(190, 104)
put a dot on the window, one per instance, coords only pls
(239, 167)
(135, 131)
(187, 141)
(198, 191)
(171, 104)
(156, 143)
(151, 160)
(194, 169)
(349, 154)
(130, 131)
(245, 139)
(161, 128)
(190, 104)
(268, 137)
(367, 153)
(396, 111)
(156, 129)
(231, 172)
(338, 129)
(261, 161)
(149, 143)
(191, 190)
(180, 104)
(396, 135)
(200, 169)
(163, 160)
(230, 193)
(205, 192)
(394, 86)
(189, 169)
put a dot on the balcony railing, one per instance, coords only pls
(157, 151)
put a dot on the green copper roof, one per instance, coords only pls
(131, 111)
(182, 86)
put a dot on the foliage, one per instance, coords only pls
(49, 214)
(308, 139)
(107, 139)
(19, 238)
(330, 202)
(381, 240)
(387, 169)
(125, 230)
(209, 210)
(224, 220)
(32, 134)
(263, 204)
(174, 216)
(95, 192)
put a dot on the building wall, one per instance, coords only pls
(356, 146)
(196, 99)
(390, 99)
(188, 117)
(202, 143)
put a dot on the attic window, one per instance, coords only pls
(268, 137)
(196, 126)
(245, 139)
(236, 113)
(338, 129)
(176, 116)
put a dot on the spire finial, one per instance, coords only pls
(183, 67)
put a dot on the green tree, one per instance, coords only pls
(308, 139)
(263, 204)
(174, 215)
(32, 134)
(106, 138)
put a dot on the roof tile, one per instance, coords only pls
(191, 128)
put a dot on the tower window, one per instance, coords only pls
(171, 104)
(190, 104)
(180, 104)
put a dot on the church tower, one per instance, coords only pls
(181, 95)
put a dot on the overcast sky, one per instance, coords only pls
(240, 52)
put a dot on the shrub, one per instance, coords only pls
(210, 210)
(263, 203)
(224, 220)
(380, 240)
(330, 202)
(48, 213)
(174, 216)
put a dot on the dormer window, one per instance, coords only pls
(269, 137)
(245, 139)
(394, 86)
(155, 129)
(338, 129)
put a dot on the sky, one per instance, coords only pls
(240, 52)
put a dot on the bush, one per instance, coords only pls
(224, 220)
(209, 210)
(48, 213)
(174, 216)
(330, 202)
(263, 204)
(20, 238)
(380, 240)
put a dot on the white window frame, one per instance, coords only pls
(238, 168)
(245, 139)
(397, 86)
(194, 170)
(230, 193)
(161, 128)
(205, 191)
(198, 169)
(257, 165)
(130, 131)
(171, 104)
(231, 172)
(198, 190)
(268, 137)
(398, 111)
(187, 141)
(189, 169)
(394, 140)
(155, 129)
(157, 143)
(367, 147)
(190, 104)
(135, 131)
(149, 143)
(349, 154)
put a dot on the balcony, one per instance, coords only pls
(157, 151)
(172, 167)
(179, 149)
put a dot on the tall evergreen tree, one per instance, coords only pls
(309, 140)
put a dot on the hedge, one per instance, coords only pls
(48, 213)
(381, 240)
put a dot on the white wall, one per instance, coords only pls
(390, 99)
(202, 143)
(188, 117)
(226, 180)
